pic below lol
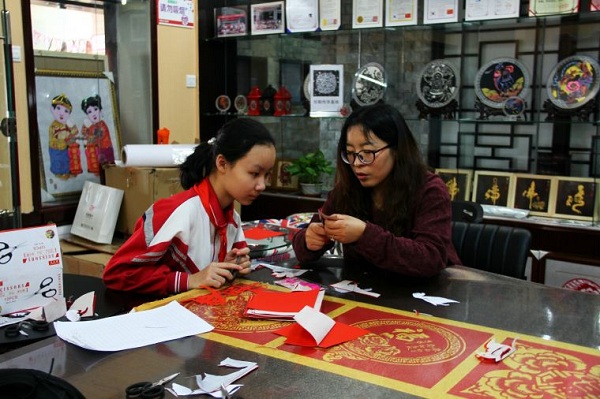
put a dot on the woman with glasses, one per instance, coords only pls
(389, 212)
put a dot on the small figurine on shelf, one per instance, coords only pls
(267, 101)
(254, 101)
(283, 102)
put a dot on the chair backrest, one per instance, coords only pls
(467, 211)
(494, 248)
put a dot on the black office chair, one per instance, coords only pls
(490, 247)
(467, 211)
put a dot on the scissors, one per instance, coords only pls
(6, 252)
(50, 292)
(149, 390)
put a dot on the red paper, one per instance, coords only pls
(259, 233)
(297, 335)
(288, 302)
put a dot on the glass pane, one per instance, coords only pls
(7, 211)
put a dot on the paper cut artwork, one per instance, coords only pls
(496, 352)
(434, 300)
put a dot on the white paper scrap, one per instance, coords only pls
(351, 286)
(133, 330)
(434, 300)
(315, 322)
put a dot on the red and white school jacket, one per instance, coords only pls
(176, 237)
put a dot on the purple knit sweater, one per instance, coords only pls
(424, 250)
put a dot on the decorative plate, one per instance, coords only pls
(573, 82)
(514, 106)
(500, 79)
(369, 84)
(240, 103)
(306, 88)
(223, 103)
(439, 84)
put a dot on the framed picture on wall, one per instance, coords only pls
(493, 188)
(534, 193)
(283, 180)
(458, 182)
(78, 125)
(576, 198)
(267, 18)
(231, 21)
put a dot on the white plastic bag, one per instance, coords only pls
(97, 212)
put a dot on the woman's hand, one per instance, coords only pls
(344, 228)
(315, 237)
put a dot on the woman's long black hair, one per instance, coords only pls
(234, 140)
(402, 185)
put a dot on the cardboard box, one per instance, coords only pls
(90, 264)
(142, 187)
(31, 268)
(573, 276)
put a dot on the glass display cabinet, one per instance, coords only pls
(505, 110)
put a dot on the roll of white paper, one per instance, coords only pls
(155, 155)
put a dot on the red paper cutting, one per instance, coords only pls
(258, 233)
(297, 335)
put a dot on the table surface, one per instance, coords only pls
(486, 299)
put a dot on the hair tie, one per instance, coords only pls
(212, 141)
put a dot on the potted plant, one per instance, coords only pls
(309, 168)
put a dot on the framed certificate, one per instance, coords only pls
(477, 10)
(538, 8)
(367, 13)
(401, 12)
(302, 15)
(330, 14)
(440, 11)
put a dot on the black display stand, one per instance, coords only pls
(446, 112)
(582, 113)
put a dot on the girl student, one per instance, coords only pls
(195, 238)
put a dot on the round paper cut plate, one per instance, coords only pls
(438, 84)
(573, 82)
(500, 79)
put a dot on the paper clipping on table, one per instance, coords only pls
(496, 352)
(351, 286)
(215, 384)
(297, 284)
(84, 306)
(133, 330)
(313, 328)
(434, 300)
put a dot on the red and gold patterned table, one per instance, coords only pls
(406, 354)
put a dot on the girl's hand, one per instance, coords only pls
(215, 275)
(344, 228)
(315, 237)
(240, 256)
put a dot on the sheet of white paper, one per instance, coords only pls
(315, 322)
(434, 300)
(133, 330)
(350, 286)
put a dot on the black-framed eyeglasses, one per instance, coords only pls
(366, 157)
